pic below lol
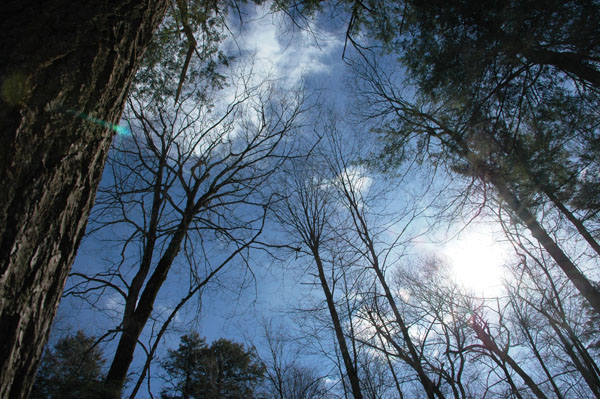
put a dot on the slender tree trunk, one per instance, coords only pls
(509, 379)
(337, 325)
(503, 355)
(431, 389)
(581, 229)
(64, 74)
(360, 224)
(588, 375)
(539, 358)
(579, 280)
(569, 345)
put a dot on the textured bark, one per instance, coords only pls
(64, 74)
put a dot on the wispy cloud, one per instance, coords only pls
(287, 57)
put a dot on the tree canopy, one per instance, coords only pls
(73, 368)
(463, 116)
(225, 369)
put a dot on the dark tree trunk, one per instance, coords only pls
(64, 74)
(570, 63)
(134, 322)
(579, 280)
(337, 326)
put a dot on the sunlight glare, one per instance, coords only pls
(476, 259)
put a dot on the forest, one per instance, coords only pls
(350, 199)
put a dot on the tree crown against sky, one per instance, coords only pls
(519, 124)
(73, 368)
(183, 193)
(494, 339)
(223, 369)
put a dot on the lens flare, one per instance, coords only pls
(120, 130)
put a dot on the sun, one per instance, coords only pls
(476, 258)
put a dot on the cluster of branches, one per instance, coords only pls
(400, 324)
(505, 95)
(504, 98)
(183, 189)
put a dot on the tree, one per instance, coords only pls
(286, 377)
(297, 382)
(184, 192)
(552, 320)
(505, 93)
(374, 256)
(182, 189)
(503, 131)
(73, 369)
(59, 101)
(225, 369)
(60, 105)
(306, 212)
(511, 62)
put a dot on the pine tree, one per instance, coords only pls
(223, 370)
(72, 369)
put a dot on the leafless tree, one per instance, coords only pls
(485, 149)
(287, 376)
(370, 251)
(306, 212)
(62, 72)
(551, 319)
(183, 192)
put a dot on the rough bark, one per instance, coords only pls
(64, 74)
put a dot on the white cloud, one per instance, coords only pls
(286, 57)
(357, 177)
(115, 305)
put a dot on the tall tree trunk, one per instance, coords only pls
(533, 345)
(359, 221)
(337, 326)
(542, 184)
(135, 321)
(579, 280)
(508, 196)
(504, 357)
(64, 74)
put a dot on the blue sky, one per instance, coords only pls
(289, 59)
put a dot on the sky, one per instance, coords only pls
(290, 59)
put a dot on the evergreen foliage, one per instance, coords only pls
(72, 369)
(223, 370)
